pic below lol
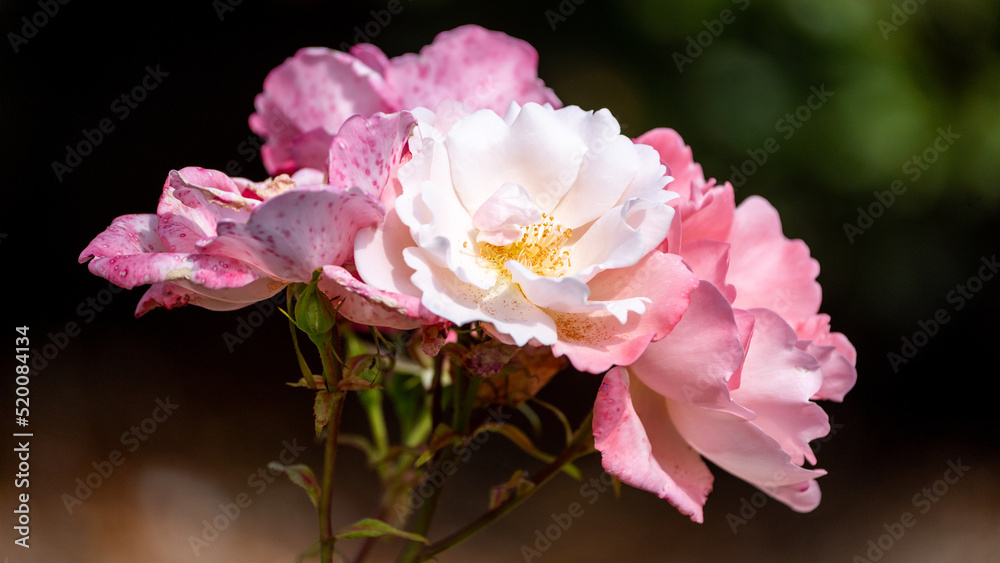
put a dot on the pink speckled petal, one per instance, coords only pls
(369, 306)
(194, 200)
(174, 294)
(294, 233)
(365, 151)
(640, 446)
(481, 68)
(128, 234)
(315, 89)
(130, 254)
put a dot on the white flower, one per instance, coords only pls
(542, 223)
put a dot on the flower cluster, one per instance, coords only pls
(451, 188)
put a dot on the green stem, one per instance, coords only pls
(332, 374)
(579, 446)
(327, 539)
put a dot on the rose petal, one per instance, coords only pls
(481, 68)
(317, 89)
(594, 342)
(369, 306)
(365, 150)
(744, 450)
(694, 362)
(504, 305)
(640, 446)
(778, 381)
(769, 270)
(296, 232)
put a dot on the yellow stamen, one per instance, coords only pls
(540, 249)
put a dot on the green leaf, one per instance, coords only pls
(302, 476)
(532, 416)
(372, 528)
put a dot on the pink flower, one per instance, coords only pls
(308, 97)
(734, 381)
(224, 243)
(542, 223)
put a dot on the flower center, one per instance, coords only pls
(540, 249)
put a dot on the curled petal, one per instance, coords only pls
(367, 305)
(504, 305)
(835, 354)
(705, 209)
(640, 446)
(364, 151)
(292, 234)
(778, 381)
(315, 90)
(500, 218)
(178, 294)
(743, 449)
(596, 341)
(694, 362)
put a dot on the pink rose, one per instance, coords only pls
(223, 243)
(307, 98)
(734, 381)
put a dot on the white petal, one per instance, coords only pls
(569, 295)
(504, 305)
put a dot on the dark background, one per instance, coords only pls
(894, 435)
